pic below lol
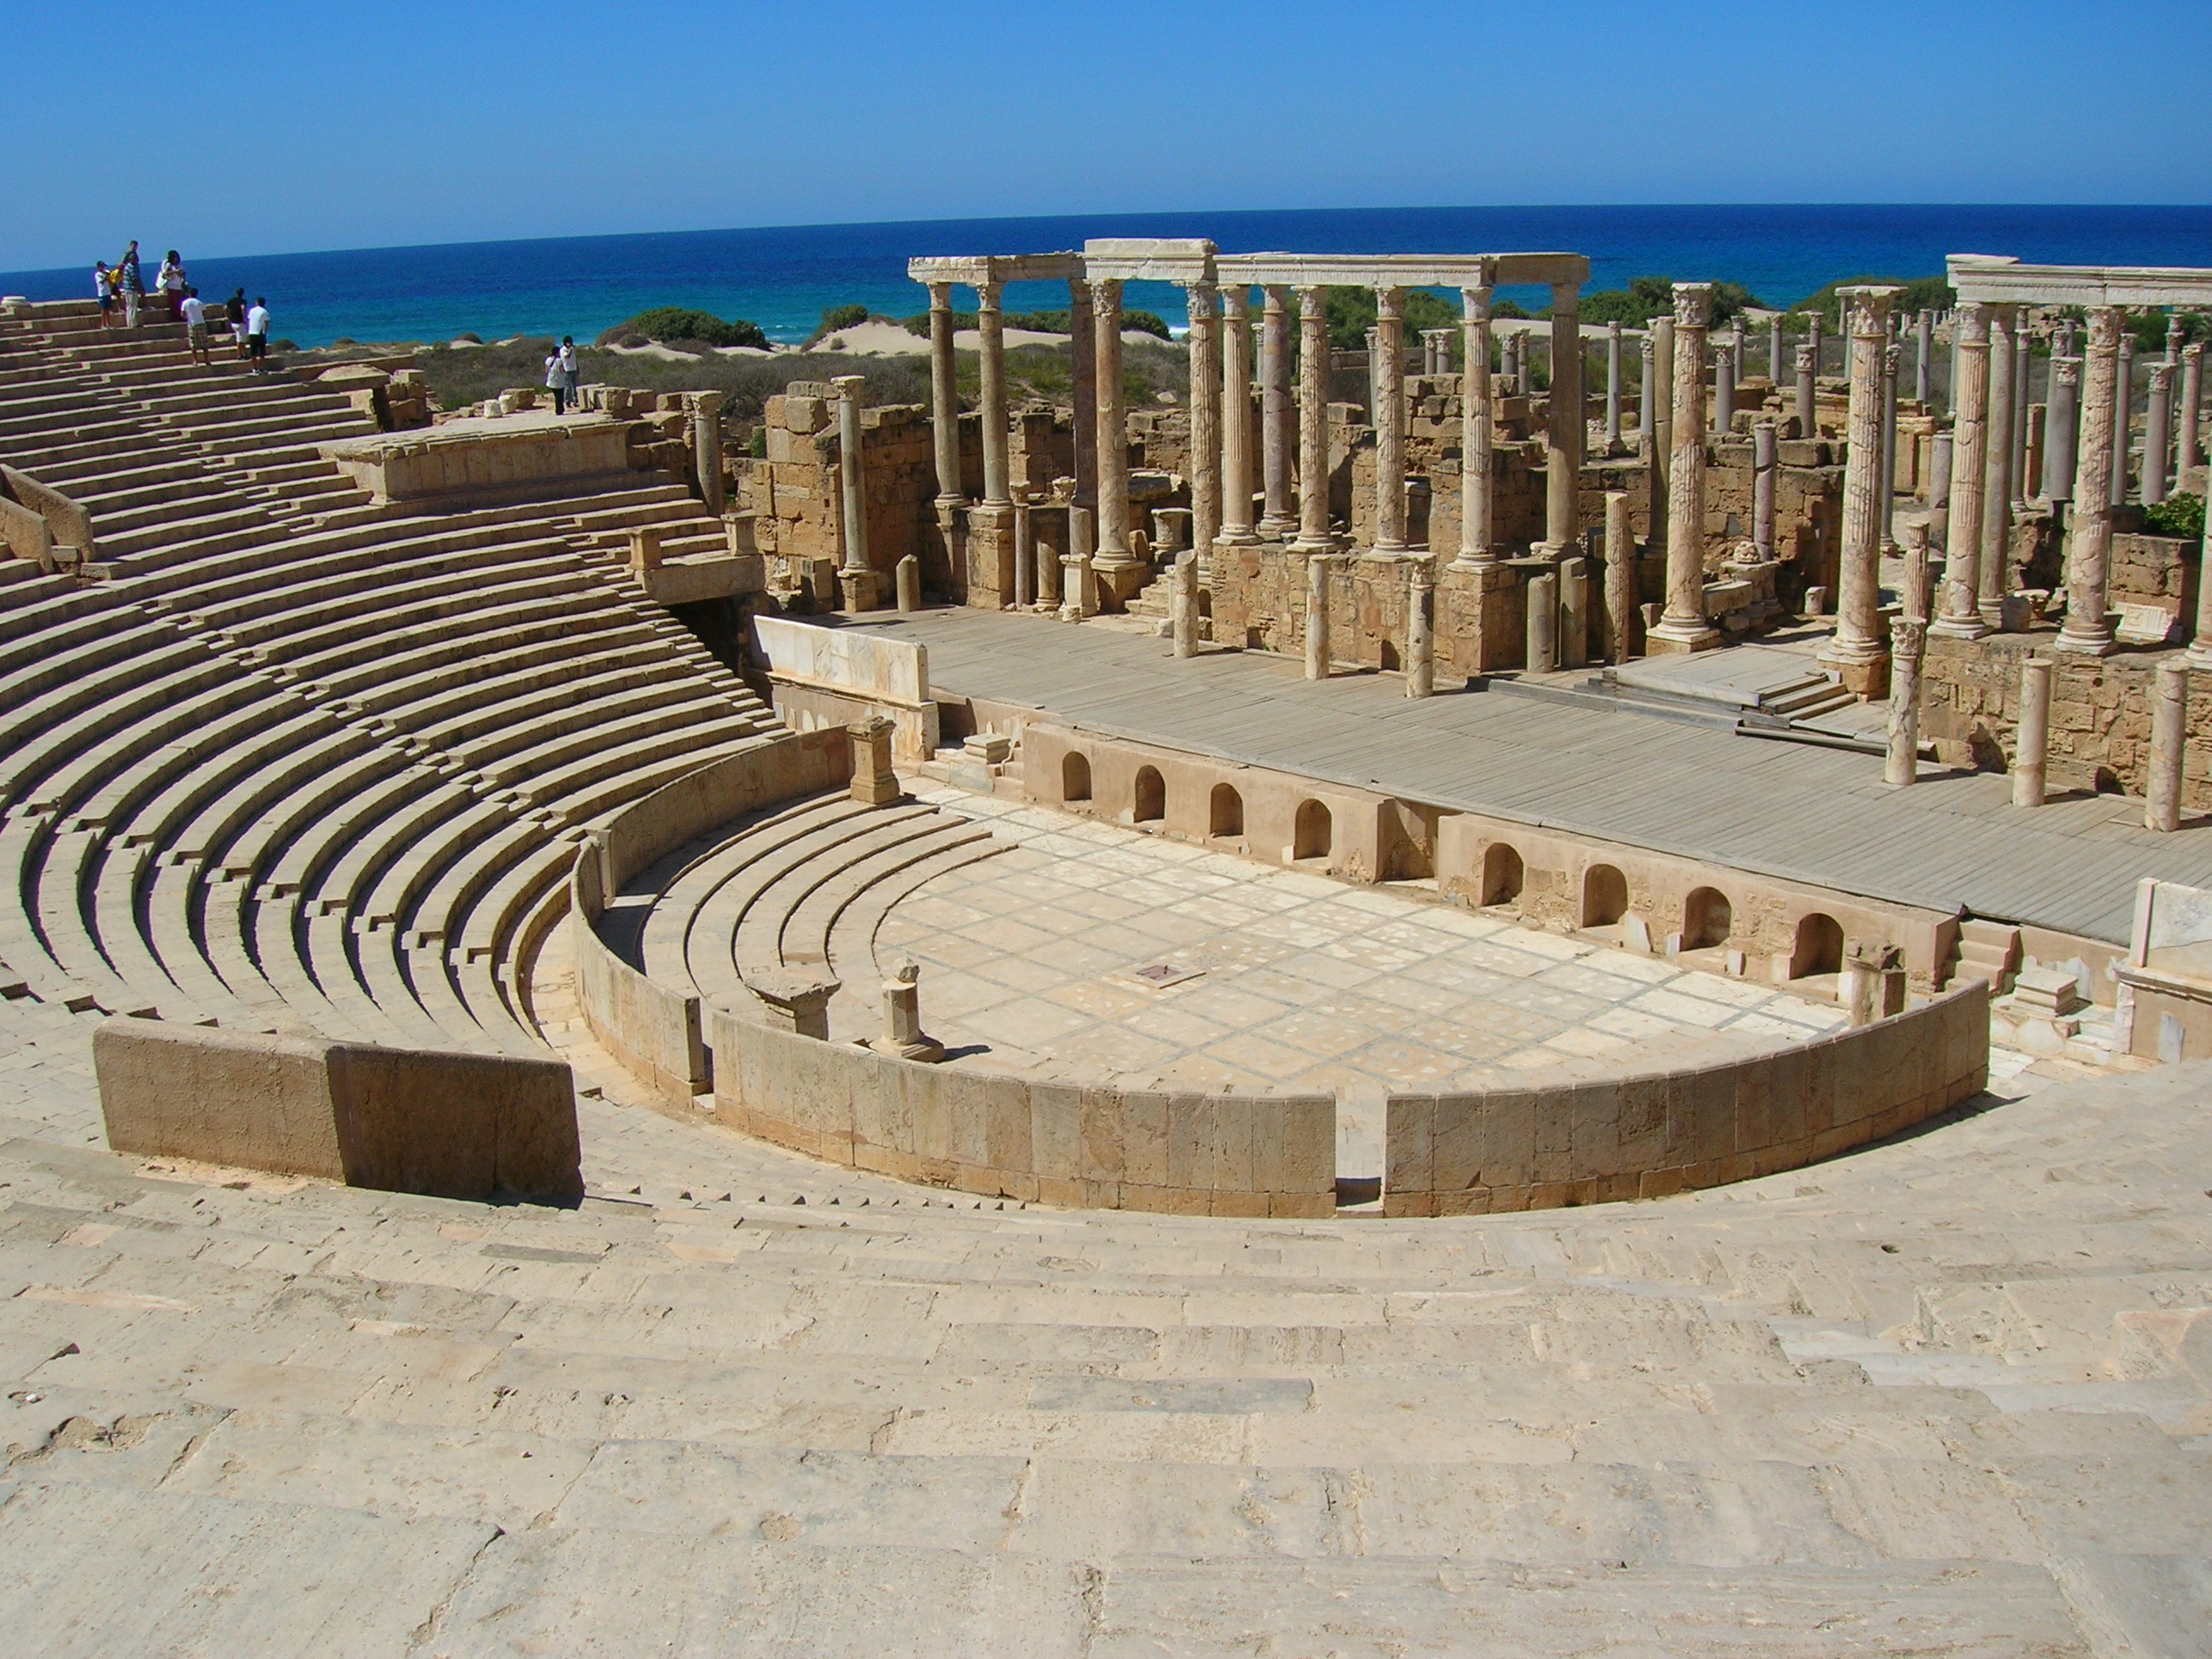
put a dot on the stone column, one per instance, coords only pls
(990, 326)
(1276, 523)
(1939, 489)
(706, 448)
(1118, 568)
(1475, 519)
(2087, 628)
(2062, 430)
(1809, 408)
(909, 583)
(2169, 725)
(1574, 611)
(1389, 371)
(2192, 397)
(1613, 381)
(1619, 574)
(944, 398)
(1683, 627)
(2124, 409)
(2023, 362)
(1082, 389)
(2172, 339)
(1540, 650)
(2200, 643)
(1723, 392)
(1736, 350)
(1923, 353)
(1858, 651)
(1776, 362)
(2032, 742)
(857, 580)
(1907, 636)
(874, 782)
(1318, 618)
(1891, 356)
(1204, 340)
(1762, 461)
(1647, 394)
(1996, 468)
(1237, 416)
(2157, 428)
(1420, 628)
(1183, 602)
(1813, 325)
(1024, 555)
(2032, 452)
(1079, 584)
(1313, 422)
(1570, 417)
(1663, 416)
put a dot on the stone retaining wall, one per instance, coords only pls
(2100, 713)
(1052, 1143)
(1645, 1137)
(655, 1031)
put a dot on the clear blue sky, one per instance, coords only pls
(252, 128)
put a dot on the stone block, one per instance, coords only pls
(411, 1121)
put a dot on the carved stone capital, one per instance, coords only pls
(1694, 305)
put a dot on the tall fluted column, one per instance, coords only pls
(1647, 393)
(2192, 395)
(1276, 523)
(1996, 467)
(1613, 381)
(2087, 628)
(1236, 415)
(1570, 407)
(990, 326)
(1961, 618)
(1312, 421)
(1683, 626)
(1476, 512)
(1113, 556)
(943, 396)
(1891, 355)
(1083, 391)
(2157, 432)
(2023, 364)
(1858, 650)
(2124, 409)
(1204, 341)
(1389, 420)
(2062, 430)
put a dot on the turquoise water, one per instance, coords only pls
(783, 278)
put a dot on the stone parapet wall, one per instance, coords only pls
(1542, 1147)
(1010, 1137)
(398, 1120)
(2100, 713)
(656, 1032)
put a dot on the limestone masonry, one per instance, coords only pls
(1540, 990)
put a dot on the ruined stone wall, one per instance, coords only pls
(2099, 714)
(798, 489)
(2158, 571)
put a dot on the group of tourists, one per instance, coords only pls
(121, 288)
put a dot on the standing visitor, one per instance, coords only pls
(172, 284)
(257, 334)
(195, 316)
(570, 368)
(233, 312)
(556, 381)
(132, 282)
(103, 289)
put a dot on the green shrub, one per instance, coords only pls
(1921, 294)
(1351, 314)
(836, 317)
(671, 324)
(2178, 514)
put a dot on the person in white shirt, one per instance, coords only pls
(172, 284)
(556, 382)
(571, 370)
(257, 334)
(195, 316)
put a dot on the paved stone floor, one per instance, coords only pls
(1030, 961)
(1950, 1396)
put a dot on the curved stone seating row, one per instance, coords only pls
(301, 762)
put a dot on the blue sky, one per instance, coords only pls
(251, 128)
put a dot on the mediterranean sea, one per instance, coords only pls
(783, 278)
